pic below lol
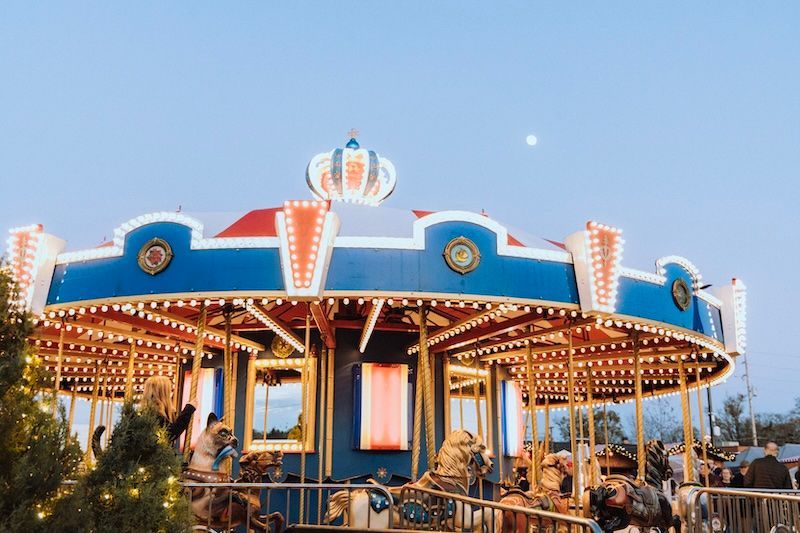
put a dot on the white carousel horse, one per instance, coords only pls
(460, 452)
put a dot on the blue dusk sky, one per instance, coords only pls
(678, 122)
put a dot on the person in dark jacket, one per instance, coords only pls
(157, 396)
(738, 477)
(767, 472)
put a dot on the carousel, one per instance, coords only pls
(355, 338)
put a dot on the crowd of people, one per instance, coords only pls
(763, 473)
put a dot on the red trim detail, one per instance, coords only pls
(258, 223)
(420, 213)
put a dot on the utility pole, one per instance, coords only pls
(750, 400)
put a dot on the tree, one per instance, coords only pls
(733, 424)
(660, 421)
(615, 431)
(37, 452)
(133, 487)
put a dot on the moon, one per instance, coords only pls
(531, 140)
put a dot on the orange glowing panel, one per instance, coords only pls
(304, 222)
(384, 407)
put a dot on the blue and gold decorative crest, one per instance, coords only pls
(462, 255)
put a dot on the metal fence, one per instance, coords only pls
(433, 510)
(274, 506)
(310, 506)
(742, 511)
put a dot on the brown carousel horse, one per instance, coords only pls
(461, 454)
(619, 501)
(220, 508)
(547, 495)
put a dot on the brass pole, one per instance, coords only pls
(226, 372)
(476, 392)
(546, 447)
(234, 378)
(109, 419)
(688, 470)
(329, 422)
(129, 373)
(641, 452)
(57, 384)
(427, 376)
(73, 398)
(581, 458)
(592, 442)
(571, 400)
(533, 472)
(321, 438)
(702, 423)
(196, 364)
(304, 413)
(176, 375)
(416, 438)
(605, 431)
(461, 403)
(93, 411)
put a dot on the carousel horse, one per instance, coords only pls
(461, 454)
(547, 496)
(223, 507)
(619, 501)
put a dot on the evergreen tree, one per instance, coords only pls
(134, 485)
(36, 451)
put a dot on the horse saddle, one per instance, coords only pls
(641, 503)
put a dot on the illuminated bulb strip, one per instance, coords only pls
(271, 324)
(369, 326)
(662, 263)
(458, 370)
(291, 362)
(740, 314)
(464, 325)
(24, 247)
(604, 245)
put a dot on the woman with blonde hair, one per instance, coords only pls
(157, 397)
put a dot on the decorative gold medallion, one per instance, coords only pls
(681, 294)
(155, 256)
(462, 255)
(281, 348)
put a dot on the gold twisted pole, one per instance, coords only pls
(590, 415)
(637, 380)
(129, 373)
(702, 422)
(533, 472)
(58, 367)
(605, 430)
(688, 470)
(93, 410)
(430, 435)
(476, 390)
(227, 408)
(71, 417)
(546, 425)
(304, 413)
(196, 363)
(571, 401)
(416, 439)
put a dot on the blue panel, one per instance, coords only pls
(361, 269)
(189, 271)
(647, 300)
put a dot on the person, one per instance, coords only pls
(706, 478)
(767, 472)
(157, 397)
(797, 478)
(726, 478)
(738, 477)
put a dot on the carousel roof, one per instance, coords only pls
(491, 295)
